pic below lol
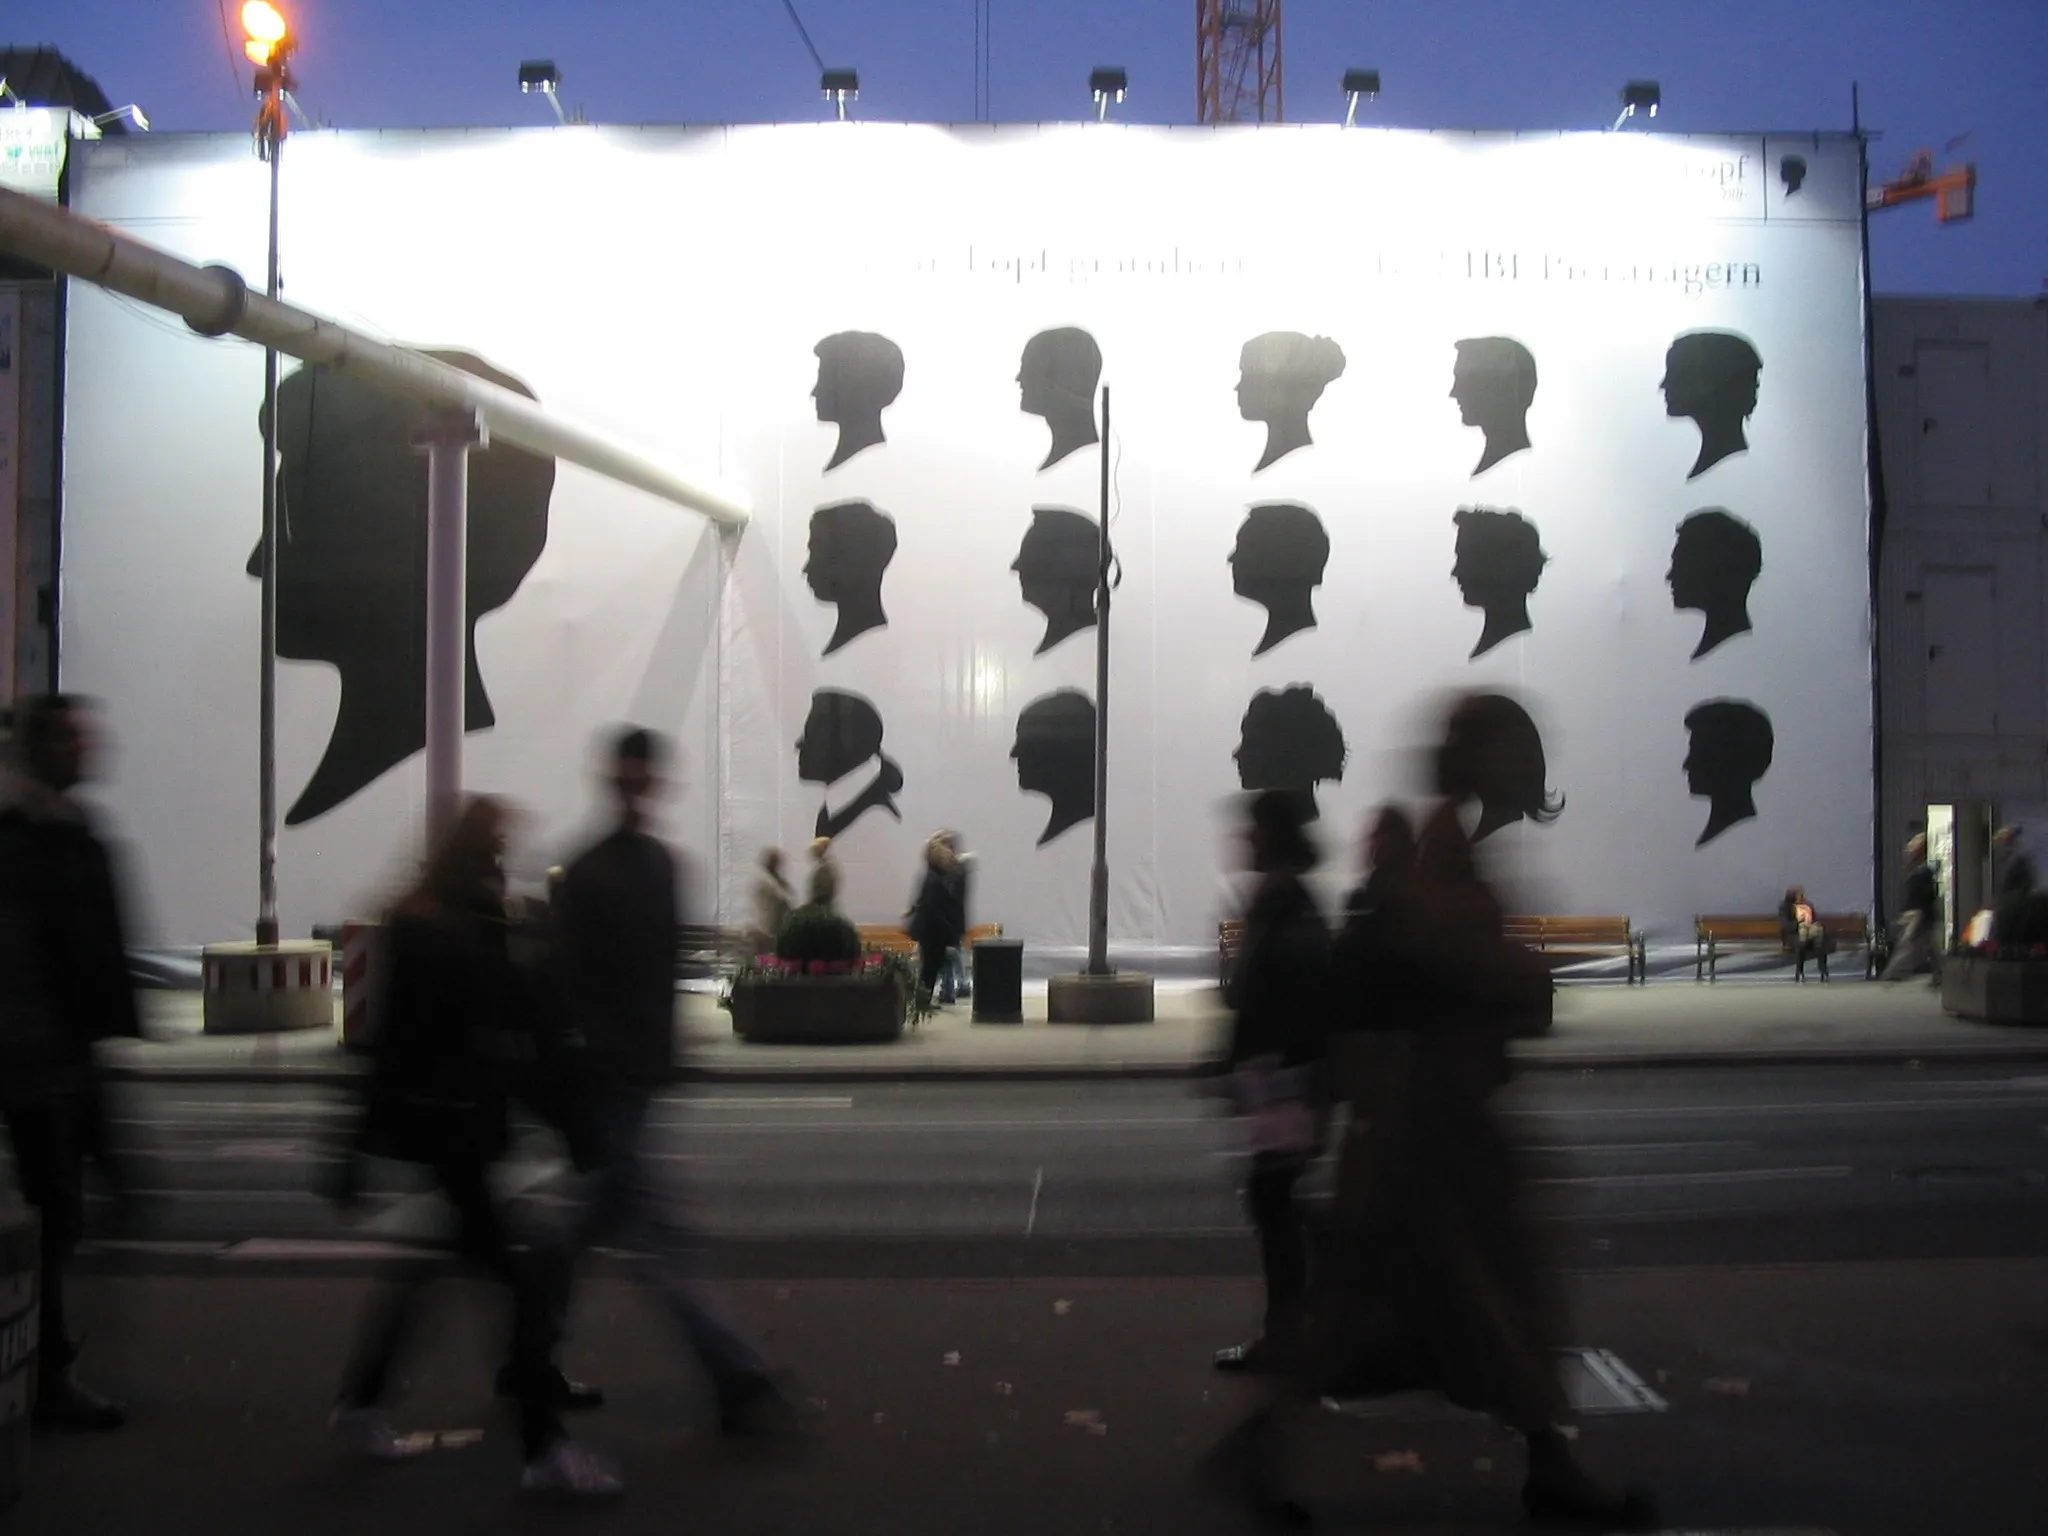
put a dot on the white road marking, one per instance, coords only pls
(1725, 1176)
(1037, 1184)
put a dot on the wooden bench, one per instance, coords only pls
(1719, 933)
(895, 939)
(703, 949)
(1566, 940)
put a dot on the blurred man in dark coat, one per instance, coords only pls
(65, 986)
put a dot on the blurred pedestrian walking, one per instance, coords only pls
(63, 988)
(461, 1027)
(937, 919)
(1278, 999)
(773, 899)
(955, 981)
(615, 950)
(1921, 940)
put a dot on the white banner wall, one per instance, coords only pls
(891, 336)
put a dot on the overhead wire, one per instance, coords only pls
(227, 38)
(804, 32)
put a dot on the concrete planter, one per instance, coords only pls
(819, 1010)
(1995, 991)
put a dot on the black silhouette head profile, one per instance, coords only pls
(1057, 568)
(1057, 380)
(1276, 836)
(1792, 172)
(1492, 753)
(1281, 375)
(352, 562)
(851, 547)
(1498, 563)
(1494, 383)
(1730, 750)
(1716, 559)
(1289, 740)
(860, 374)
(1055, 757)
(1278, 563)
(1712, 376)
(842, 737)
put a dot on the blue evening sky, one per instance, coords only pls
(1931, 71)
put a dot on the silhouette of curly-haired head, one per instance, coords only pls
(1713, 564)
(851, 547)
(1281, 375)
(1492, 753)
(841, 736)
(1057, 380)
(352, 562)
(1057, 567)
(1289, 740)
(1499, 560)
(1711, 376)
(1055, 757)
(860, 374)
(1792, 172)
(1278, 563)
(1494, 383)
(1730, 750)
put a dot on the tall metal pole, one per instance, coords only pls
(270, 134)
(1098, 880)
(447, 439)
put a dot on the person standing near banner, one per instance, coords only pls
(615, 944)
(66, 988)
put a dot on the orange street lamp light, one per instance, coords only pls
(264, 27)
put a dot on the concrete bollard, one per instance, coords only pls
(254, 989)
(360, 947)
(20, 1328)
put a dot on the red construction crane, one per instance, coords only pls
(1953, 189)
(1237, 62)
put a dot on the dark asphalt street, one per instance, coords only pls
(1632, 1168)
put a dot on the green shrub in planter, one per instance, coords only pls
(817, 933)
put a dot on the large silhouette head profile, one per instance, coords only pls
(1055, 757)
(1057, 380)
(1057, 567)
(841, 748)
(851, 547)
(1711, 376)
(1289, 740)
(860, 374)
(1492, 753)
(1713, 564)
(1494, 383)
(1278, 563)
(352, 562)
(1730, 750)
(1281, 375)
(1498, 563)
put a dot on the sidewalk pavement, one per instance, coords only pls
(1864, 1400)
(1669, 1024)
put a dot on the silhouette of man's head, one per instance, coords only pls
(1498, 563)
(1711, 376)
(1492, 753)
(352, 562)
(1055, 757)
(1730, 750)
(1716, 559)
(851, 546)
(1494, 383)
(842, 735)
(1278, 563)
(1281, 375)
(1057, 567)
(1276, 833)
(1792, 171)
(1057, 380)
(860, 375)
(1289, 740)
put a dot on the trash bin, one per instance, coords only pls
(999, 981)
(20, 1272)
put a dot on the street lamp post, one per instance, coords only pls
(269, 46)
